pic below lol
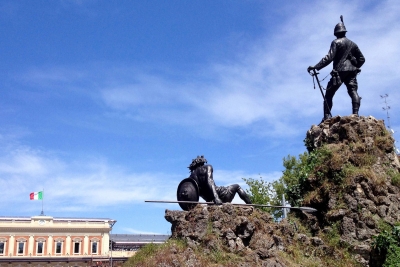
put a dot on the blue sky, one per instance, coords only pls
(105, 103)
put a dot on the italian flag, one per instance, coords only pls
(36, 195)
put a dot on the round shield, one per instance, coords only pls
(187, 191)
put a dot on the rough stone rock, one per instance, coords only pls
(348, 227)
(278, 242)
(239, 244)
(370, 222)
(361, 260)
(370, 196)
(383, 200)
(245, 228)
(229, 234)
(363, 234)
(238, 230)
(316, 241)
(363, 250)
(303, 239)
(344, 130)
(351, 202)
(382, 210)
(354, 195)
(335, 215)
(261, 241)
(272, 263)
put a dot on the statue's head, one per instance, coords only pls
(197, 162)
(340, 29)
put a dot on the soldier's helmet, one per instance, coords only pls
(340, 27)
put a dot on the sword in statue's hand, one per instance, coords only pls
(314, 73)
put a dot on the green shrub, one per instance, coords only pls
(150, 253)
(266, 193)
(298, 171)
(388, 244)
(260, 192)
(395, 176)
(142, 254)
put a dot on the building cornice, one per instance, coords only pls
(53, 230)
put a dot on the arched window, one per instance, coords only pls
(3, 246)
(58, 245)
(77, 245)
(94, 245)
(21, 246)
(40, 245)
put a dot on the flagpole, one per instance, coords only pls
(42, 200)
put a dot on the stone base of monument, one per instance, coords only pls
(353, 182)
(251, 234)
(242, 230)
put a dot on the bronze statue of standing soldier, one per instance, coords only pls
(347, 61)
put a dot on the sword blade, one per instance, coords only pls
(322, 93)
(305, 209)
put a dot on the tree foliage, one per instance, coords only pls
(267, 193)
(260, 191)
(292, 184)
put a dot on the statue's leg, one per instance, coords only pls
(352, 87)
(226, 193)
(243, 195)
(231, 192)
(330, 92)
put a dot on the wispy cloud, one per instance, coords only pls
(85, 184)
(138, 232)
(80, 185)
(266, 87)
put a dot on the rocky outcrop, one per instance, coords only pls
(352, 179)
(359, 186)
(354, 184)
(248, 232)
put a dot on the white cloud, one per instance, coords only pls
(81, 185)
(23, 162)
(265, 86)
(138, 232)
(270, 83)
(85, 184)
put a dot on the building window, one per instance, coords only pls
(21, 246)
(39, 250)
(94, 247)
(58, 247)
(2, 248)
(76, 247)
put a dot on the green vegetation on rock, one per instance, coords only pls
(349, 173)
(387, 243)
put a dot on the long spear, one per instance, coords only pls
(315, 74)
(305, 209)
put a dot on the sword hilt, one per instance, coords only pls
(313, 72)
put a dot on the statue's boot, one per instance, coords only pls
(327, 114)
(356, 105)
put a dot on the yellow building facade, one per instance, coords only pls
(34, 238)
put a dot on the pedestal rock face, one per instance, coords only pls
(357, 186)
(353, 182)
(250, 234)
(243, 230)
